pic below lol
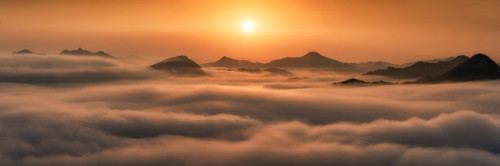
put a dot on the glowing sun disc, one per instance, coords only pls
(248, 26)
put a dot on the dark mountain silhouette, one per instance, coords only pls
(353, 81)
(359, 67)
(316, 60)
(26, 51)
(180, 66)
(271, 71)
(310, 60)
(249, 70)
(420, 69)
(232, 63)
(381, 83)
(277, 71)
(429, 61)
(373, 65)
(82, 52)
(478, 67)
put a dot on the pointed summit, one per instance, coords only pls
(226, 59)
(352, 81)
(311, 59)
(313, 54)
(478, 67)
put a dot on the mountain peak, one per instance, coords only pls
(478, 67)
(311, 59)
(181, 58)
(24, 51)
(421, 68)
(226, 59)
(480, 56)
(313, 54)
(353, 81)
(480, 60)
(82, 52)
(179, 66)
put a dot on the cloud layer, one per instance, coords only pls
(235, 118)
(49, 69)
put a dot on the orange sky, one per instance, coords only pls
(346, 30)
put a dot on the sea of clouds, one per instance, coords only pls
(61, 110)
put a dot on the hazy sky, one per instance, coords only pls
(346, 30)
(94, 111)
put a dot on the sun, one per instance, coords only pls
(248, 26)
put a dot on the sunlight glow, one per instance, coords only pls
(248, 26)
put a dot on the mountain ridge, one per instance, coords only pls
(82, 52)
(478, 67)
(420, 69)
(26, 51)
(309, 60)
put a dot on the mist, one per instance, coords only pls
(63, 110)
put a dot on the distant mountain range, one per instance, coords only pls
(359, 67)
(82, 52)
(429, 61)
(308, 61)
(421, 68)
(183, 66)
(453, 69)
(180, 66)
(478, 67)
(26, 51)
